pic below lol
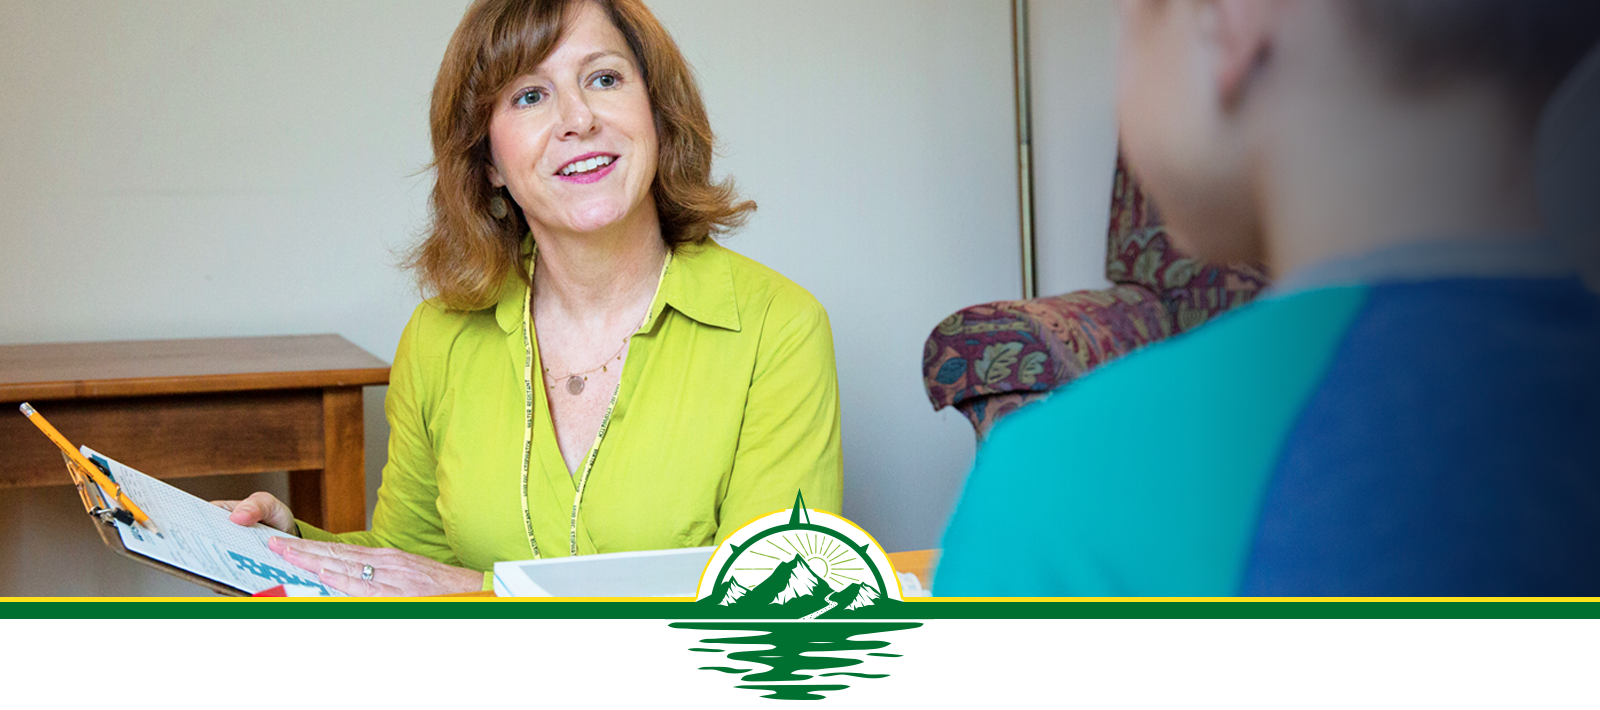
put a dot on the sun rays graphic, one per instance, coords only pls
(827, 557)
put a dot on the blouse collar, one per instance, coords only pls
(698, 283)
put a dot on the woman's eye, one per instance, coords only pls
(605, 81)
(528, 97)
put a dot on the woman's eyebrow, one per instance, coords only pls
(597, 56)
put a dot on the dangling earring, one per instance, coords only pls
(498, 207)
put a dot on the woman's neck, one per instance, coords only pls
(592, 277)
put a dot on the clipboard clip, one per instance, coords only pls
(116, 515)
(94, 500)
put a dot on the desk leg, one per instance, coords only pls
(335, 498)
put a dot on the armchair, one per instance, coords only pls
(991, 359)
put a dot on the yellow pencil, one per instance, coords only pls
(106, 484)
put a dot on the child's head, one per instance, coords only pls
(1255, 122)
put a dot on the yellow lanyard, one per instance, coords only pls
(527, 432)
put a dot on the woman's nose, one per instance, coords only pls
(577, 120)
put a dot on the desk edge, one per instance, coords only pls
(197, 384)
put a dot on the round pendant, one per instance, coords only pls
(575, 386)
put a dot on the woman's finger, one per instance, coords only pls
(344, 568)
(317, 557)
(341, 566)
(227, 505)
(300, 553)
(394, 573)
(337, 550)
(265, 509)
(354, 585)
(307, 561)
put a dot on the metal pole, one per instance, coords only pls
(1023, 79)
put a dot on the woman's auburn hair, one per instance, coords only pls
(467, 253)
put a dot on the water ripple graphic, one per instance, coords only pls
(795, 652)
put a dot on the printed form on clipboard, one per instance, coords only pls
(197, 537)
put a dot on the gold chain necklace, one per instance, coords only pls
(577, 380)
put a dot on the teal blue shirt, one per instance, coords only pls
(1410, 437)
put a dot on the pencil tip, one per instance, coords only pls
(27, 410)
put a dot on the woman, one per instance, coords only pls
(682, 389)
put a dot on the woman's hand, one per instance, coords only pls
(260, 508)
(394, 573)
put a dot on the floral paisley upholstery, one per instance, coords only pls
(991, 359)
(1036, 346)
(1139, 251)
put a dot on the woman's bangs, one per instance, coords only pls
(521, 39)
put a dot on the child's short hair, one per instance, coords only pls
(1525, 46)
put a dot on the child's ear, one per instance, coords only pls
(1242, 32)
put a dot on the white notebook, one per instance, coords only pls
(655, 573)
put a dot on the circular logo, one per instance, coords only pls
(799, 564)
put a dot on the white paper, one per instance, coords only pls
(911, 585)
(651, 573)
(197, 536)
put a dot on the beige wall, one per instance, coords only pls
(204, 168)
(1073, 45)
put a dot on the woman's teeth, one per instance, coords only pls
(590, 165)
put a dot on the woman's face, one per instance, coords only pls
(575, 141)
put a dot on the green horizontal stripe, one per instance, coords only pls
(681, 611)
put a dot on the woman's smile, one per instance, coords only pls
(588, 168)
(559, 134)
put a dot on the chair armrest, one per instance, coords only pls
(1038, 345)
(984, 412)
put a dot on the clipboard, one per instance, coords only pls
(211, 551)
(106, 516)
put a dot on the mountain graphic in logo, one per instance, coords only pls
(800, 568)
(803, 593)
(732, 592)
(795, 591)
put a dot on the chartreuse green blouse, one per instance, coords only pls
(728, 404)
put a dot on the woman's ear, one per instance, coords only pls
(494, 176)
(1242, 34)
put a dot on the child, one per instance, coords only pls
(1413, 410)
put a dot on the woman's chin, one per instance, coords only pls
(596, 221)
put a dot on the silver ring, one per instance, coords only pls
(366, 573)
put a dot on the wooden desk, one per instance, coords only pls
(917, 562)
(181, 408)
